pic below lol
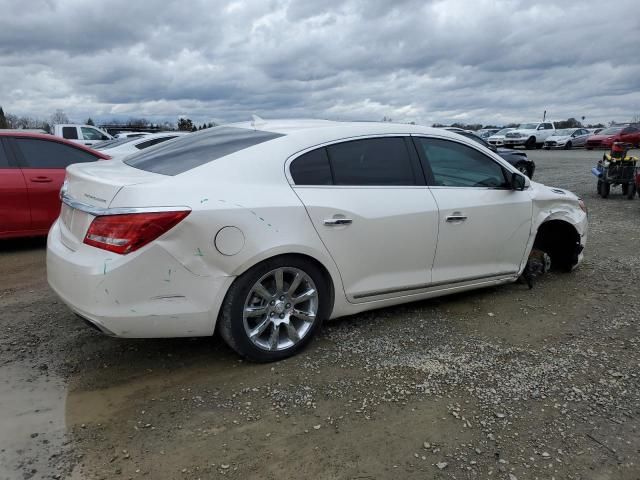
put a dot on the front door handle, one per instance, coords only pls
(41, 179)
(456, 217)
(332, 222)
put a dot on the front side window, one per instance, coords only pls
(92, 134)
(457, 165)
(548, 126)
(70, 133)
(47, 154)
(372, 161)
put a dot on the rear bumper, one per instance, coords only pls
(141, 295)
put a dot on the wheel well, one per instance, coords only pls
(561, 241)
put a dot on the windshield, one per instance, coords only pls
(503, 131)
(116, 142)
(527, 126)
(611, 131)
(564, 132)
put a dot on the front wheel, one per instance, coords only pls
(522, 168)
(273, 310)
(568, 146)
(599, 187)
(530, 143)
(605, 189)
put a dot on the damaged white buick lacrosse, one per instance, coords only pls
(264, 229)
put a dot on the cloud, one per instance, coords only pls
(489, 61)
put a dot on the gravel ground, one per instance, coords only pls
(505, 383)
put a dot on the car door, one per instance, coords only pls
(368, 202)
(580, 137)
(15, 214)
(484, 225)
(91, 136)
(43, 165)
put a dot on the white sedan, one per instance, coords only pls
(567, 138)
(263, 230)
(121, 147)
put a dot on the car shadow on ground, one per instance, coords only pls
(14, 245)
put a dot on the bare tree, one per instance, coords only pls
(59, 117)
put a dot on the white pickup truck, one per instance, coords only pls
(84, 134)
(529, 135)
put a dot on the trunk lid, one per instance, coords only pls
(94, 186)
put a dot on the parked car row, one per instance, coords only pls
(544, 135)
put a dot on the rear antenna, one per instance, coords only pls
(257, 121)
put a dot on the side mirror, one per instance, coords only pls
(518, 181)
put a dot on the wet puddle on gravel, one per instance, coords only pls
(32, 426)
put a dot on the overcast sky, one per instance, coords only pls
(424, 61)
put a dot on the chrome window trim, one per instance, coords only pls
(101, 211)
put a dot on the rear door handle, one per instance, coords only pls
(332, 222)
(41, 179)
(456, 217)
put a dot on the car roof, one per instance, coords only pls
(330, 128)
(51, 138)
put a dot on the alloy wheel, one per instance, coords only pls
(280, 309)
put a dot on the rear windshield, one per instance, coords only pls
(191, 151)
(116, 142)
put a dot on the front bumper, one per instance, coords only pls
(554, 144)
(515, 141)
(145, 294)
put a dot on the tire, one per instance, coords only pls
(625, 188)
(605, 189)
(530, 143)
(631, 191)
(274, 340)
(599, 187)
(522, 168)
(539, 146)
(567, 146)
(589, 148)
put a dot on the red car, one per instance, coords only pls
(606, 137)
(32, 169)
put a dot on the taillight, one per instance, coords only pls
(128, 232)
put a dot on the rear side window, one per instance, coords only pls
(70, 133)
(457, 165)
(312, 168)
(37, 153)
(373, 161)
(4, 159)
(153, 141)
(196, 149)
